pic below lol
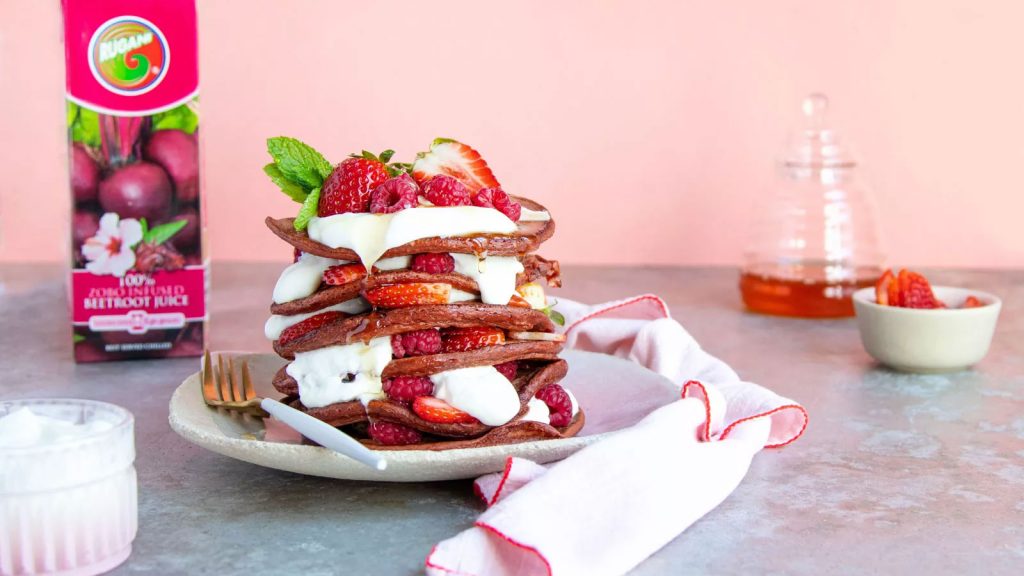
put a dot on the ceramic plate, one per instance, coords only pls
(614, 393)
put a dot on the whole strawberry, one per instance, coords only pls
(349, 186)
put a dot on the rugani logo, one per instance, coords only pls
(128, 55)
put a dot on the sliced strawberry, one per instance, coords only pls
(308, 325)
(916, 292)
(411, 294)
(517, 301)
(457, 160)
(537, 336)
(895, 296)
(465, 339)
(882, 288)
(344, 273)
(434, 409)
(972, 302)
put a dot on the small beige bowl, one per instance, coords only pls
(928, 341)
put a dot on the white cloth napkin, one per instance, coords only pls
(608, 507)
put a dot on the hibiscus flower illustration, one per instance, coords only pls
(111, 251)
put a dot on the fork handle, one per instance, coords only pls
(323, 434)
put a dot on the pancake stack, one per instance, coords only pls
(414, 315)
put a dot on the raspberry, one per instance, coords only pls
(405, 389)
(433, 263)
(391, 434)
(508, 369)
(416, 343)
(507, 206)
(444, 190)
(558, 402)
(497, 198)
(484, 198)
(394, 194)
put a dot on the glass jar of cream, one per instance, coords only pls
(68, 494)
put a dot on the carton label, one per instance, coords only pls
(123, 58)
(137, 302)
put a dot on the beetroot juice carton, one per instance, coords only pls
(138, 279)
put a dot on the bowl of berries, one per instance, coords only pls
(909, 325)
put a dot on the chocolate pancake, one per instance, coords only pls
(514, 432)
(434, 363)
(325, 296)
(364, 327)
(527, 384)
(527, 238)
(535, 268)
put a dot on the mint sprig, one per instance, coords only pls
(553, 314)
(299, 171)
(308, 209)
(299, 162)
(293, 190)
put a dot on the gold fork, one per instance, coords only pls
(222, 390)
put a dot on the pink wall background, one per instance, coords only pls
(648, 128)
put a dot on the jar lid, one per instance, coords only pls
(815, 143)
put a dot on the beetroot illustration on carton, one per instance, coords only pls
(138, 279)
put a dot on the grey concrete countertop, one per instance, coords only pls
(896, 474)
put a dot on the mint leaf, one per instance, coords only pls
(164, 232)
(85, 126)
(72, 114)
(145, 226)
(308, 210)
(298, 162)
(554, 315)
(76, 338)
(182, 118)
(294, 191)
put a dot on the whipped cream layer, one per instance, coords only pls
(396, 263)
(341, 373)
(480, 391)
(527, 215)
(495, 275)
(537, 411)
(371, 235)
(302, 278)
(278, 323)
(456, 296)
